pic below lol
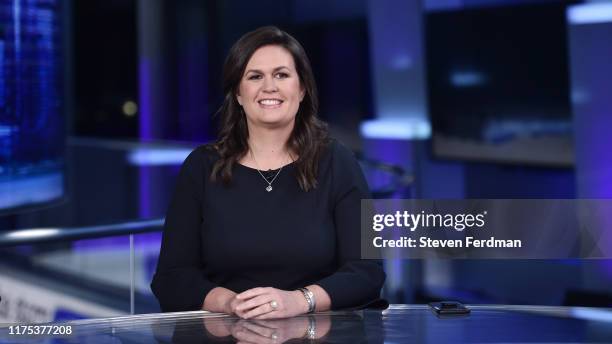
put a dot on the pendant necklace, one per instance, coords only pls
(269, 187)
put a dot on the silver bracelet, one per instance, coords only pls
(309, 298)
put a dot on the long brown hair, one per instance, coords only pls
(309, 135)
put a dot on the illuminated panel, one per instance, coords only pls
(157, 157)
(31, 119)
(401, 128)
(593, 13)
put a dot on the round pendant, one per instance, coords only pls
(269, 188)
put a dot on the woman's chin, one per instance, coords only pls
(276, 121)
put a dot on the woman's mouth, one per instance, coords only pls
(270, 103)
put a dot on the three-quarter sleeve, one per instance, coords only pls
(179, 282)
(358, 282)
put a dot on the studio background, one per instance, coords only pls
(101, 101)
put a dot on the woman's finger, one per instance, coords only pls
(265, 308)
(269, 315)
(252, 293)
(254, 302)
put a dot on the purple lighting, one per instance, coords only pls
(590, 70)
(146, 133)
(145, 100)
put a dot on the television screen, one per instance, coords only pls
(32, 127)
(498, 84)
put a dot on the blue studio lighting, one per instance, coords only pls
(603, 315)
(467, 79)
(590, 13)
(157, 156)
(396, 128)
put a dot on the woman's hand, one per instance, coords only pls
(221, 300)
(231, 304)
(257, 303)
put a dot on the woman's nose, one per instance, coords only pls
(270, 85)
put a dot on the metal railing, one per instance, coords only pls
(31, 236)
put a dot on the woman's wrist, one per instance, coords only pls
(219, 300)
(301, 301)
(323, 301)
(310, 299)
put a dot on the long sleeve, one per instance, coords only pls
(357, 282)
(179, 282)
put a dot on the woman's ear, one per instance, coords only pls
(302, 93)
(239, 99)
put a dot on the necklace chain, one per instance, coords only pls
(269, 187)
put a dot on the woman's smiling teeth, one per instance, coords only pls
(270, 102)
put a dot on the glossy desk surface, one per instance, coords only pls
(398, 324)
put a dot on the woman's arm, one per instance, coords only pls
(357, 282)
(179, 282)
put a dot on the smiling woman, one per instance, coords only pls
(270, 92)
(268, 64)
(265, 222)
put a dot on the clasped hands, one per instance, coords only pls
(257, 303)
(267, 303)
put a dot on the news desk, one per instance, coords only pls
(397, 324)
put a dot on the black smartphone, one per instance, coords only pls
(449, 308)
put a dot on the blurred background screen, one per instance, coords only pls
(32, 127)
(494, 93)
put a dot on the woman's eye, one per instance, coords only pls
(254, 77)
(282, 75)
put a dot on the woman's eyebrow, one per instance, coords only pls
(259, 71)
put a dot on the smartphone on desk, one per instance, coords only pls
(449, 308)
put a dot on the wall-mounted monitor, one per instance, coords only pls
(498, 84)
(32, 124)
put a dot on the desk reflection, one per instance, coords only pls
(271, 331)
(315, 328)
(397, 324)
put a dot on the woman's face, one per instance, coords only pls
(270, 91)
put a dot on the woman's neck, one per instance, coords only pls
(268, 148)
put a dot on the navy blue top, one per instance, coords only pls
(241, 236)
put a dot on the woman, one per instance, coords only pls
(265, 222)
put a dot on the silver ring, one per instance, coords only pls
(274, 336)
(274, 304)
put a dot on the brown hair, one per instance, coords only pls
(309, 135)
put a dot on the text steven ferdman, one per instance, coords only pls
(467, 242)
